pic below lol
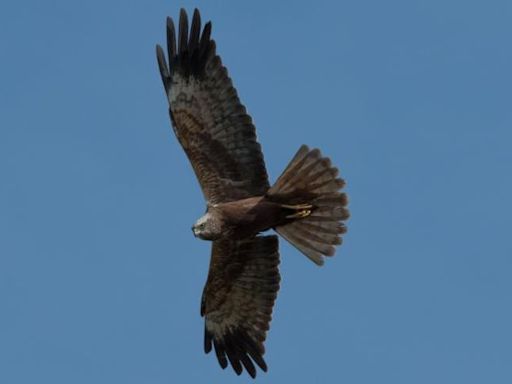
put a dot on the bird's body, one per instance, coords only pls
(304, 206)
(247, 218)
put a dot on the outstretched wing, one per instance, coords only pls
(237, 300)
(211, 124)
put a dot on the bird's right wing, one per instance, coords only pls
(208, 118)
(238, 298)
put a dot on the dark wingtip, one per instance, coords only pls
(207, 341)
(160, 56)
(221, 354)
(238, 349)
(171, 39)
(162, 65)
(188, 49)
(183, 32)
(195, 31)
(207, 30)
(196, 15)
(159, 51)
(183, 15)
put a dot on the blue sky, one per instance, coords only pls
(100, 277)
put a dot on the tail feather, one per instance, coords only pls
(314, 234)
(306, 247)
(310, 178)
(332, 212)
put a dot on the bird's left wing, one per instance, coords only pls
(237, 301)
(208, 118)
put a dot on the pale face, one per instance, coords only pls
(208, 227)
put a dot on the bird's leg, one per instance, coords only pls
(301, 210)
(300, 214)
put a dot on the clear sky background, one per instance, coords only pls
(100, 276)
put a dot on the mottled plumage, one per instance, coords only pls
(305, 205)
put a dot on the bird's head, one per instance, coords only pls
(208, 227)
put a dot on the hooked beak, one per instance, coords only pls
(194, 231)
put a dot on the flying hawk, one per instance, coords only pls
(305, 205)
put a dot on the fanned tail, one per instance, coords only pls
(310, 188)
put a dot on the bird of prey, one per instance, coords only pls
(304, 206)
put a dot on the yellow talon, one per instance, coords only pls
(300, 215)
(305, 213)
